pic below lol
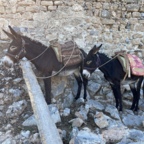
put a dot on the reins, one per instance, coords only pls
(39, 54)
(57, 71)
(104, 63)
(109, 61)
(61, 68)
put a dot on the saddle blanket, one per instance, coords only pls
(131, 64)
(123, 59)
(68, 53)
(137, 67)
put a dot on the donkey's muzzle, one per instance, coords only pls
(86, 73)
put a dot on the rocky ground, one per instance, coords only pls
(95, 121)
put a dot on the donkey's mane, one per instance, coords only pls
(35, 41)
(104, 55)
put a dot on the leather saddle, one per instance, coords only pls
(68, 53)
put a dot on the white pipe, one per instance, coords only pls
(47, 129)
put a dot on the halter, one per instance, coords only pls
(98, 62)
(24, 51)
(21, 51)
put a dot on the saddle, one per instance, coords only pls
(131, 64)
(137, 67)
(68, 53)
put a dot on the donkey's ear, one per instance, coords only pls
(15, 34)
(95, 49)
(100, 46)
(8, 34)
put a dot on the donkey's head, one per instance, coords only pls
(16, 49)
(91, 62)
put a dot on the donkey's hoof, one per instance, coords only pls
(132, 108)
(120, 112)
(76, 98)
(120, 109)
(136, 109)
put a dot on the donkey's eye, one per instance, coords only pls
(12, 48)
(88, 62)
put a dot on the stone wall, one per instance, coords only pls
(118, 24)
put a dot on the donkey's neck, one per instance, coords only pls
(33, 48)
(106, 63)
(41, 56)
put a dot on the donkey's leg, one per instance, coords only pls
(118, 97)
(134, 92)
(47, 84)
(138, 93)
(85, 82)
(115, 95)
(79, 82)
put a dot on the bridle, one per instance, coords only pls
(98, 62)
(24, 51)
(21, 51)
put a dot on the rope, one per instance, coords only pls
(40, 54)
(109, 60)
(61, 68)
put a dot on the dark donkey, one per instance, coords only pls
(114, 74)
(44, 59)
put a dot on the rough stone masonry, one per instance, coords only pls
(117, 24)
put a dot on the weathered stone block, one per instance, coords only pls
(137, 36)
(114, 134)
(13, 9)
(135, 42)
(43, 8)
(130, 1)
(88, 5)
(15, 22)
(12, 2)
(132, 7)
(139, 27)
(114, 6)
(128, 15)
(26, 3)
(27, 24)
(32, 8)
(133, 20)
(17, 16)
(141, 9)
(51, 8)
(97, 5)
(27, 15)
(2, 9)
(136, 14)
(1, 3)
(77, 7)
(8, 11)
(47, 3)
(58, 2)
(106, 6)
(21, 9)
(108, 21)
(105, 14)
(141, 21)
(3, 22)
